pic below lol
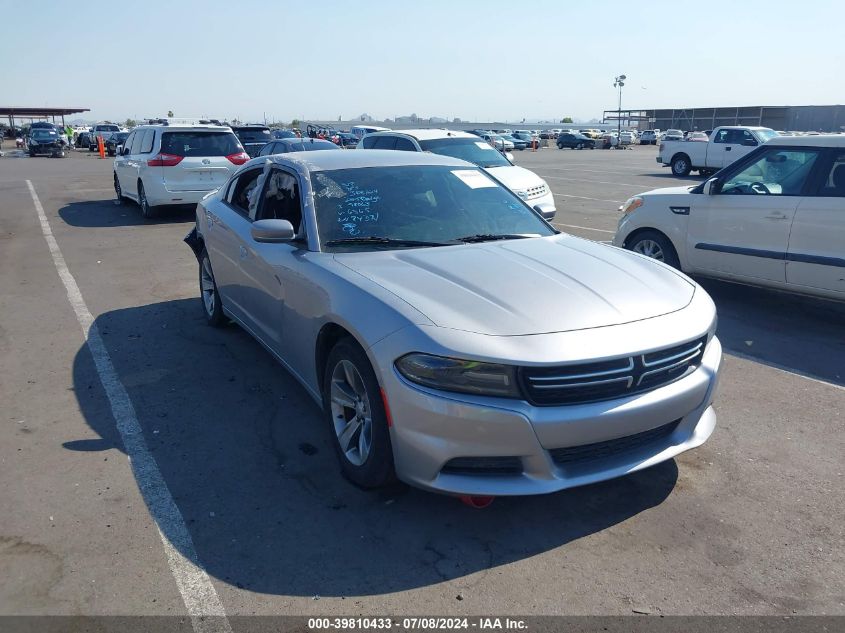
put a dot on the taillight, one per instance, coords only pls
(239, 159)
(164, 160)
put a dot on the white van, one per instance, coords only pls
(360, 130)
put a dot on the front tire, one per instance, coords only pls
(117, 189)
(656, 246)
(212, 307)
(354, 408)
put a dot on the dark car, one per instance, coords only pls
(347, 139)
(286, 145)
(575, 141)
(44, 142)
(284, 134)
(252, 137)
(118, 138)
(83, 139)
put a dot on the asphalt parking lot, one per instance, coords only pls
(750, 523)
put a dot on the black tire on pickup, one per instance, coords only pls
(681, 165)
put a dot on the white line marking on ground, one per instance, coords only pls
(570, 167)
(601, 182)
(784, 369)
(198, 594)
(566, 195)
(583, 228)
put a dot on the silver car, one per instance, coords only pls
(453, 338)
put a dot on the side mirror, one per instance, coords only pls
(547, 212)
(749, 142)
(712, 187)
(272, 231)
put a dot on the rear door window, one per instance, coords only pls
(404, 145)
(385, 142)
(190, 144)
(369, 142)
(833, 180)
(147, 141)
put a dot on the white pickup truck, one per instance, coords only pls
(727, 144)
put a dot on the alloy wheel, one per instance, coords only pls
(649, 248)
(351, 412)
(207, 286)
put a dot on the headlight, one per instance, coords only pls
(631, 204)
(522, 193)
(464, 376)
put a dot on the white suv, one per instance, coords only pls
(175, 164)
(469, 147)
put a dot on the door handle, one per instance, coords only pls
(777, 216)
(243, 252)
(728, 148)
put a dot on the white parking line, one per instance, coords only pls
(198, 594)
(583, 228)
(566, 195)
(786, 370)
(601, 182)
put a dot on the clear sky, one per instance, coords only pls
(473, 59)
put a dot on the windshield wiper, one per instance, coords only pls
(375, 239)
(490, 237)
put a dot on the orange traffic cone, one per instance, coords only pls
(101, 147)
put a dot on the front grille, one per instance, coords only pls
(483, 466)
(605, 380)
(535, 192)
(572, 455)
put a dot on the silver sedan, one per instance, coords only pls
(453, 338)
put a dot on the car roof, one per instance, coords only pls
(184, 128)
(743, 127)
(426, 134)
(327, 161)
(290, 140)
(818, 140)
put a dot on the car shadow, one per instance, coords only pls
(107, 213)
(799, 334)
(247, 458)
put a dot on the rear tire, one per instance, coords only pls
(354, 410)
(655, 245)
(212, 306)
(681, 165)
(147, 211)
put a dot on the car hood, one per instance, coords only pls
(530, 286)
(515, 178)
(669, 191)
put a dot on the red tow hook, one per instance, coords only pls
(477, 502)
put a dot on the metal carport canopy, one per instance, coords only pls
(37, 113)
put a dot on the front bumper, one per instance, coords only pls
(430, 428)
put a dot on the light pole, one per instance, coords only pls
(618, 83)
